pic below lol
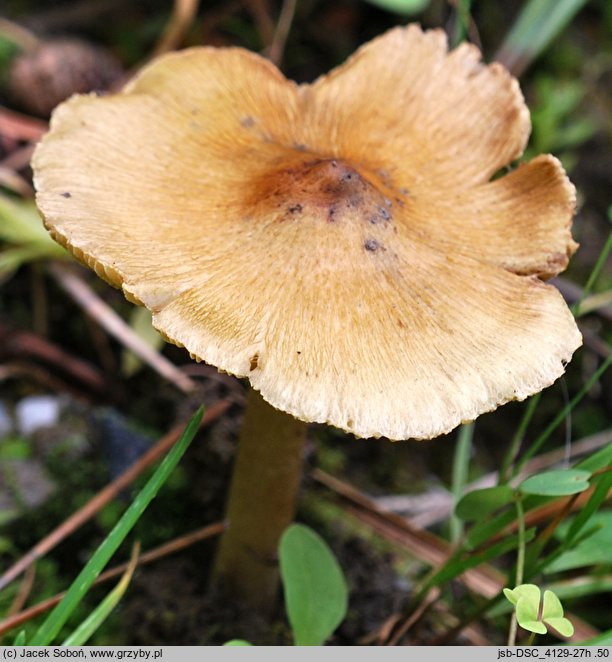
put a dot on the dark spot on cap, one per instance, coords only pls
(350, 423)
(371, 245)
(296, 209)
(299, 352)
(331, 214)
(247, 122)
(380, 216)
(300, 147)
(401, 324)
(66, 194)
(254, 361)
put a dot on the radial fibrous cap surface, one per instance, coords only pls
(343, 244)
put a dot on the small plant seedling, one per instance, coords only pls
(316, 595)
(534, 615)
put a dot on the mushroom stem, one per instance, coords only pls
(261, 504)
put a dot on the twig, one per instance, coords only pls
(15, 182)
(20, 127)
(279, 41)
(68, 16)
(155, 554)
(573, 293)
(93, 306)
(408, 622)
(22, 594)
(19, 158)
(18, 343)
(23, 38)
(26, 370)
(595, 343)
(103, 497)
(24, 591)
(183, 13)
(260, 11)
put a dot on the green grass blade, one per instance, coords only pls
(537, 25)
(463, 8)
(79, 587)
(603, 485)
(483, 531)
(541, 440)
(594, 275)
(461, 463)
(456, 566)
(20, 223)
(87, 628)
(402, 7)
(517, 439)
(20, 639)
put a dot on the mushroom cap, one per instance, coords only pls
(341, 244)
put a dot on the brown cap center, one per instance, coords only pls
(329, 190)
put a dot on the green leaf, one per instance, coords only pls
(580, 587)
(25, 237)
(460, 562)
(560, 482)
(592, 550)
(316, 595)
(403, 7)
(20, 223)
(599, 460)
(20, 639)
(603, 639)
(482, 531)
(480, 503)
(552, 614)
(602, 484)
(530, 592)
(526, 600)
(237, 642)
(79, 587)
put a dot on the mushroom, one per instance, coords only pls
(343, 245)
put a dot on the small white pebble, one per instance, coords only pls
(35, 412)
